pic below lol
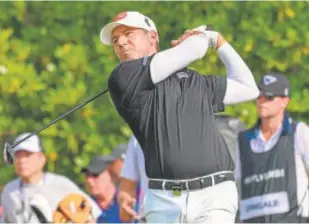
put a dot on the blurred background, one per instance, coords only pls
(51, 59)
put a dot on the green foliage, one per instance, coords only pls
(51, 59)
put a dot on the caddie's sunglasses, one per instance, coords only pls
(268, 96)
(90, 174)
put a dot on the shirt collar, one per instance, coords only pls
(261, 137)
(286, 127)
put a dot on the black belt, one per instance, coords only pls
(188, 185)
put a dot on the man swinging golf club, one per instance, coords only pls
(170, 110)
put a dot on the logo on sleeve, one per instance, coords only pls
(181, 75)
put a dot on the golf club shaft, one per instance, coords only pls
(61, 117)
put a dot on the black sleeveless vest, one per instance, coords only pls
(268, 182)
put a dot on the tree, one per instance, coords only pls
(51, 59)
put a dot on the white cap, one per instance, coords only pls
(132, 19)
(31, 144)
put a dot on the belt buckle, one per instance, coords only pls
(176, 189)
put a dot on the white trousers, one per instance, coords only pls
(214, 204)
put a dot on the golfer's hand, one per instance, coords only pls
(215, 39)
(127, 204)
(186, 34)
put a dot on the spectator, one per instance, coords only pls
(273, 159)
(117, 156)
(1, 208)
(229, 128)
(133, 176)
(1, 211)
(102, 188)
(29, 161)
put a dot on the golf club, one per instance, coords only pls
(8, 148)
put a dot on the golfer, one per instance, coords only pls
(170, 110)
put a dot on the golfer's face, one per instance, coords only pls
(28, 163)
(130, 43)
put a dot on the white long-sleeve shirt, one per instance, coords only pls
(239, 77)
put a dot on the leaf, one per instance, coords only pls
(51, 59)
(289, 12)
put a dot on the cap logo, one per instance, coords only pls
(268, 79)
(147, 21)
(286, 91)
(120, 16)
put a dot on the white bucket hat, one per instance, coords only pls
(132, 19)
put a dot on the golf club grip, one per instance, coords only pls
(61, 117)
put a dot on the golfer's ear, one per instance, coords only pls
(153, 37)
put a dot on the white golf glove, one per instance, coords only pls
(211, 35)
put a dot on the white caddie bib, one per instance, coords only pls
(267, 204)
